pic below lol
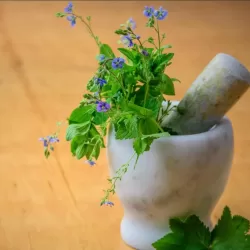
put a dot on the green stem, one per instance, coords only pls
(146, 93)
(158, 34)
(89, 29)
(158, 125)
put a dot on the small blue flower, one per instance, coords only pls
(102, 106)
(160, 14)
(118, 63)
(144, 52)
(101, 58)
(72, 20)
(131, 23)
(45, 142)
(100, 81)
(48, 140)
(127, 41)
(148, 11)
(91, 163)
(138, 37)
(68, 8)
(108, 203)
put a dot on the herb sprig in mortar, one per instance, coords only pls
(126, 92)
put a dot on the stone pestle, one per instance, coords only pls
(210, 97)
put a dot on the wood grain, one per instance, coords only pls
(44, 67)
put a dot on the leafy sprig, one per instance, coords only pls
(231, 232)
(126, 92)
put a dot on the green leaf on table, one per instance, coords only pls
(81, 114)
(77, 130)
(231, 232)
(190, 234)
(107, 51)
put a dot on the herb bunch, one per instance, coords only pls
(126, 92)
(231, 232)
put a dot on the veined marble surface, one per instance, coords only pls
(180, 175)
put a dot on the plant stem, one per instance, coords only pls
(89, 29)
(158, 125)
(158, 33)
(146, 93)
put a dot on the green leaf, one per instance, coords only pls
(155, 136)
(167, 86)
(100, 118)
(190, 234)
(168, 46)
(231, 232)
(161, 62)
(139, 145)
(107, 51)
(76, 142)
(77, 130)
(129, 54)
(92, 86)
(81, 151)
(81, 114)
(46, 153)
(175, 80)
(61, 14)
(140, 110)
(121, 32)
(148, 126)
(126, 127)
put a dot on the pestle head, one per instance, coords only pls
(219, 86)
(235, 68)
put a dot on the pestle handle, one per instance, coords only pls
(210, 97)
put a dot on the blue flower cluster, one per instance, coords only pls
(47, 141)
(160, 14)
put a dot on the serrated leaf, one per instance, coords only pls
(190, 234)
(126, 127)
(106, 50)
(77, 130)
(139, 145)
(81, 114)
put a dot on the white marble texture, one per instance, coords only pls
(180, 175)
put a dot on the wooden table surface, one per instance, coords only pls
(44, 67)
